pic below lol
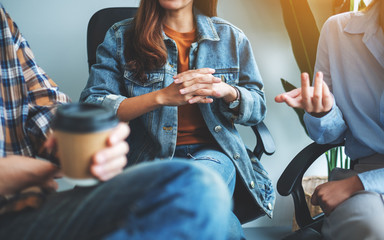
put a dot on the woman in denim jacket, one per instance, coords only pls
(182, 78)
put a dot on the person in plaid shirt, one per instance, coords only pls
(28, 95)
(169, 200)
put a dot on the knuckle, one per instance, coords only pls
(122, 162)
(307, 109)
(305, 99)
(126, 150)
(305, 103)
(316, 98)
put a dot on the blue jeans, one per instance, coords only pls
(157, 200)
(212, 157)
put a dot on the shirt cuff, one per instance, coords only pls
(309, 119)
(325, 129)
(373, 180)
(113, 101)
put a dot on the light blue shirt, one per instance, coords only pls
(351, 56)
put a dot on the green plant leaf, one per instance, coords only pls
(347, 162)
(287, 85)
(303, 32)
(341, 158)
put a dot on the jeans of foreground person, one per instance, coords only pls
(158, 200)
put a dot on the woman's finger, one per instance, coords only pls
(109, 169)
(200, 99)
(193, 89)
(293, 94)
(119, 133)
(314, 198)
(293, 102)
(291, 98)
(327, 98)
(195, 71)
(110, 153)
(317, 99)
(306, 92)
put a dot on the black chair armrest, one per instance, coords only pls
(265, 143)
(290, 182)
(293, 173)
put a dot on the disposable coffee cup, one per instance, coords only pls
(81, 130)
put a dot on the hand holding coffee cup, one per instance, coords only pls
(81, 130)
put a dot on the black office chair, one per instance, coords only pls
(290, 183)
(99, 24)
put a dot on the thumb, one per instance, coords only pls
(314, 199)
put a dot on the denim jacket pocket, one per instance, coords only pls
(228, 75)
(152, 78)
(381, 109)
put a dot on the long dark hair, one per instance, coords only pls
(144, 46)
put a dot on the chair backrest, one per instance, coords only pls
(99, 24)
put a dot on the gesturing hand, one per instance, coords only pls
(317, 100)
(331, 194)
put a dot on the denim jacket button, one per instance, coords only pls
(252, 184)
(269, 206)
(218, 129)
(236, 156)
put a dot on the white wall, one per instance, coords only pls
(56, 31)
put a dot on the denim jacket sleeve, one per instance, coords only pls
(252, 108)
(102, 87)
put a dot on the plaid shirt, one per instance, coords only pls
(27, 95)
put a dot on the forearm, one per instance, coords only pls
(17, 173)
(134, 107)
(232, 95)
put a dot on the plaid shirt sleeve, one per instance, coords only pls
(29, 94)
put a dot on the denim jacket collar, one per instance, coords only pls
(204, 26)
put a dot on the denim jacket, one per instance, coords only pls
(220, 46)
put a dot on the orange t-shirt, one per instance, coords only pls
(191, 125)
